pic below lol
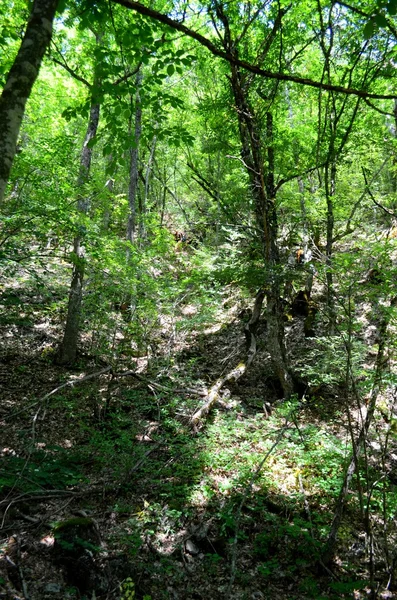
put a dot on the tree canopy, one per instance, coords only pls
(198, 261)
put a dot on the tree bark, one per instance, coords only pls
(68, 347)
(263, 191)
(142, 231)
(20, 80)
(330, 181)
(134, 153)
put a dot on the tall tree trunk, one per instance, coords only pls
(68, 347)
(109, 185)
(263, 190)
(20, 80)
(394, 172)
(134, 153)
(330, 180)
(149, 166)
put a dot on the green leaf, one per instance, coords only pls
(61, 7)
(117, 110)
(369, 30)
(170, 69)
(127, 39)
(107, 150)
(392, 7)
(381, 20)
(92, 142)
(348, 586)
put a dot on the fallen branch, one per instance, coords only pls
(161, 388)
(35, 495)
(70, 383)
(143, 459)
(22, 579)
(213, 394)
(235, 374)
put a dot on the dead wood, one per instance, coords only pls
(213, 395)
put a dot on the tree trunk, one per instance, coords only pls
(68, 347)
(394, 171)
(20, 80)
(263, 190)
(109, 185)
(142, 231)
(134, 153)
(330, 177)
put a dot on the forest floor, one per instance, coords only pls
(108, 492)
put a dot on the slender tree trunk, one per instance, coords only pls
(163, 199)
(134, 153)
(68, 347)
(106, 215)
(330, 178)
(20, 80)
(394, 172)
(142, 231)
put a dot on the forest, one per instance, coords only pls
(198, 301)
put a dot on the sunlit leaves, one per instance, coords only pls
(369, 29)
(379, 18)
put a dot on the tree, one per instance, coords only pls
(68, 347)
(20, 80)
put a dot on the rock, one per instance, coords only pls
(191, 548)
(52, 588)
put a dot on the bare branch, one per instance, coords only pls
(367, 189)
(71, 72)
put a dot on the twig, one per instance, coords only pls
(242, 503)
(60, 387)
(367, 188)
(142, 460)
(359, 443)
(20, 571)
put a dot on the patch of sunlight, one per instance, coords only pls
(213, 329)
(48, 541)
(8, 452)
(189, 310)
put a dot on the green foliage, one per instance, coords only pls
(127, 589)
(153, 306)
(346, 587)
(53, 468)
